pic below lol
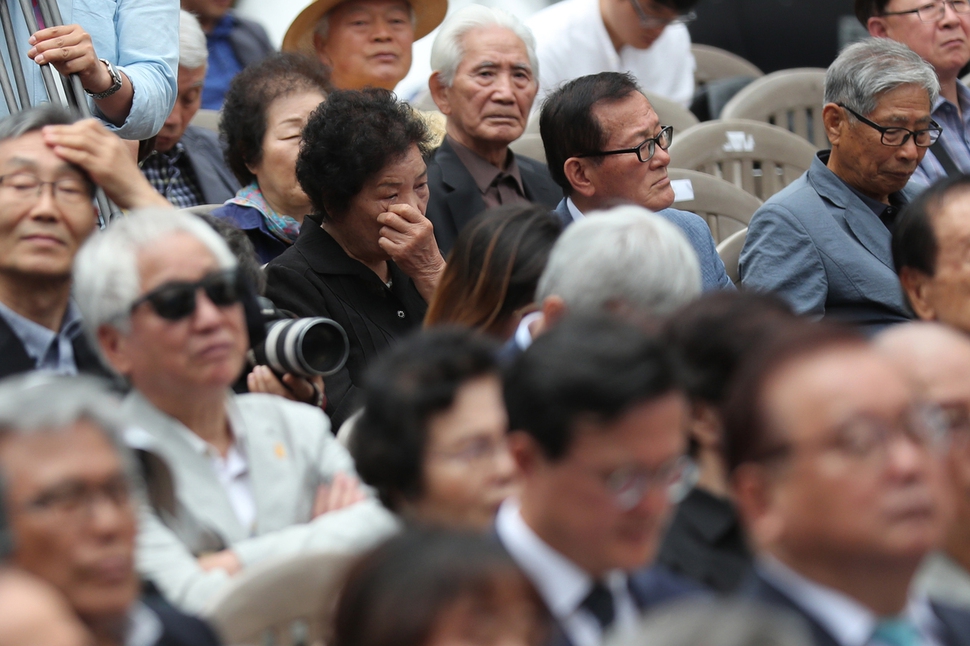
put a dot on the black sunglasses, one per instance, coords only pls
(175, 300)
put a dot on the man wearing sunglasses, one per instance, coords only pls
(49, 166)
(647, 38)
(597, 472)
(823, 243)
(605, 146)
(939, 31)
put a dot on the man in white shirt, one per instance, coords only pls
(835, 469)
(598, 435)
(647, 38)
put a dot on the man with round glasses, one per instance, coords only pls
(598, 470)
(823, 243)
(939, 31)
(647, 38)
(605, 146)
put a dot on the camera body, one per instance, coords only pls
(306, 347)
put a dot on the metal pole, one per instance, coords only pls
(45, 69)
(14, 51)
(8, 94)
(73, 89)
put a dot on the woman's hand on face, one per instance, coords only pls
(342, 492)
(408, 238)
(292, 387)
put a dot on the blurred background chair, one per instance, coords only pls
(789, 99)
(714, 63)
(727, 208)
(281, 602)
(757, 157)
(208, 119)
(730, 252)
(672, 113)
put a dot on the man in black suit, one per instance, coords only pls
(49, 166)
(485, 79)
(597, 431)
(836, 474)
(72, 509)
(187, 166)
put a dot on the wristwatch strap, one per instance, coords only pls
(115, 82)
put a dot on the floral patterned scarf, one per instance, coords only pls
(282, 226)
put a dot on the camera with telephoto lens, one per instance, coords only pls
(306, 347)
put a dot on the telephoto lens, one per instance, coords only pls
(306, 347)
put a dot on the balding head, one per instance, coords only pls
(935, 356)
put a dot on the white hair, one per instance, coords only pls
(627, 256)
(193, 51)
(106, 279)
(449, 45)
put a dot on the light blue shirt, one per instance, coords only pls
(50, 350)
(140, 37)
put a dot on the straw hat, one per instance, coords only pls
(299, 37)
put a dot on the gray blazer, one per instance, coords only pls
(818, 246)
(289, 450)
(204, 152)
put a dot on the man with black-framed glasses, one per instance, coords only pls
(823, 243)
(939, 31)
(647, 38)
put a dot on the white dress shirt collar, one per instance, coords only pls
(574, 210)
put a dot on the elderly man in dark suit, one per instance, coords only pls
(605, 146)
(823, 243)
(836, 470)
(72, 508)
(485, 79)
(187, 166)
(42, 227)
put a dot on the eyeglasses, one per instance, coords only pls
(629, 485)
(26, 187)
(866, 438)
(479, 449)
(934, 11)
(75, 500)
(175, 300)
(662, 140)
(653, 22)
(899, 136)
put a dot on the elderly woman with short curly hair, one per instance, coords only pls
(367, 256)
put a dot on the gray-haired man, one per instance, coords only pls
(485, 80)
(823, 243)
(72, 511)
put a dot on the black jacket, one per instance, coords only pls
(179, 629)
(456, 199)
(315, 277)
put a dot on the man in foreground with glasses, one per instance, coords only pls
(71, 506)
(598, 433)
(836, 472)
(646, 38)
(823, 243)
(938, 359)
(605, 146)
(939, 31)
(255, 476)
(50, 164)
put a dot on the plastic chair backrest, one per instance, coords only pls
(726, 208)
(714, 63)
(790, 99)
(730, 252)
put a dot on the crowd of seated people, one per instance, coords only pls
(548, 416)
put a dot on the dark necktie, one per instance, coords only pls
(599, 602)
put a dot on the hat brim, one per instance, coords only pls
(428, 14)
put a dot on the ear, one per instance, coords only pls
(439, 93)
(877, 27)
(320, 45)
(576, 172)
(751, 486)
(525, 451)
(553, 309)
(705, 425)
(919, 290)
(833, 117)
(114, 346)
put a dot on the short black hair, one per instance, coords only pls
(243, 123)
(414, 380)
(396, 594)
(567, 125)
(914, 242)
(749, 434)
(584, 367)
(349, 139)
(866, 9)
(681, 6)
